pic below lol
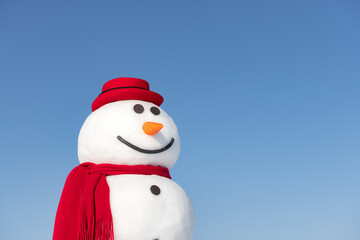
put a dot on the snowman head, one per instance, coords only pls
(128, 127)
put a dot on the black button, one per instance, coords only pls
(155, 190)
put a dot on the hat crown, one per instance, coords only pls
(126, 88)
(125, 82)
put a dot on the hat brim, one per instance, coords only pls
(127, 94)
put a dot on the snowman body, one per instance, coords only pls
(149, 208)
(135, 132)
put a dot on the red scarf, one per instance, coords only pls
(84, 209)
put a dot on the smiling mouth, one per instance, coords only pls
(146, 150)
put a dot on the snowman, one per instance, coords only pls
(122, 189)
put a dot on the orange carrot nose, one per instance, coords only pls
(151, 128)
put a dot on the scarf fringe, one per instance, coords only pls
(101, 231)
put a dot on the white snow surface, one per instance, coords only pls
(141, 215)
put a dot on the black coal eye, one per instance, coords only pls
(138, 108)
(155, 110)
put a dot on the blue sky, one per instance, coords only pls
(265, 95)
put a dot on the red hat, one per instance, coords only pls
(126, 88)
